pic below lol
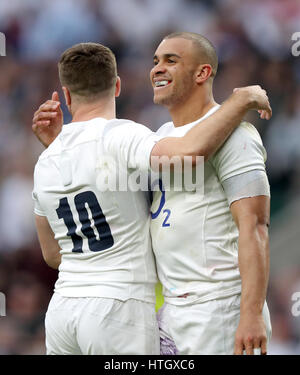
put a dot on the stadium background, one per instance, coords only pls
(253, 40)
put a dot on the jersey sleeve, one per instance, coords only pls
(131, 143)
(37, 208)
(241, 153)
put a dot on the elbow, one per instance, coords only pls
(263, 223)
(201, 153)
(257, 231)
(53, 262)
(262, 229)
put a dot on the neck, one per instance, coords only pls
(192, 109)
(88, 111)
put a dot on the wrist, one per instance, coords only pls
(244, 99)
(251, 310)
(46, 145)
(42, 141)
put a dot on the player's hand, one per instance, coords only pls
(250, 335)
(48, 120)
(257, 99)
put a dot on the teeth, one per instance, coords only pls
(161, 83)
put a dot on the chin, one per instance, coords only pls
(162, 100)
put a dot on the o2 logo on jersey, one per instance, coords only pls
(162, 202)
(296, 45)
(296, 305)
(2, 45)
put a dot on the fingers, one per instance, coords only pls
(55, 96)
(260, 97)
(238, 347)
(46, 112)
(49, 105)
(269, 112)
(40, 125)
(265, 114)
(258, 346)
(251, 88)
(250, 346)
(264, 346)
(244, 346)
(44, 116)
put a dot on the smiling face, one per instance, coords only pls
(173, 76)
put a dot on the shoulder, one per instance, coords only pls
(245, 131)
(245, 139)
(53, 149)
(124, 127)
(114, 123)
(165, 128)
(242, 152)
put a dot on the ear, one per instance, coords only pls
(118, 87)
(67, 96)
(203, 73)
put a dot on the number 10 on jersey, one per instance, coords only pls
(64, 212)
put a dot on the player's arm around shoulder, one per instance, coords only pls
(49, 245)
(207, 137)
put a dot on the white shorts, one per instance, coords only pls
(203, 328)
(103, 326)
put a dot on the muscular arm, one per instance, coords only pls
(202, 140)
(49, 245)
(205, 138)
(252, 218)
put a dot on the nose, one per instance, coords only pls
(159, 68)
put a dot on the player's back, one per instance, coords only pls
(103, 235)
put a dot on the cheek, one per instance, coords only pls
(187, 81)
(151, 75)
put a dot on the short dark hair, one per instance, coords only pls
(88, 70)
(207, 51)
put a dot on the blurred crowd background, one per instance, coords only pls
(253, 40)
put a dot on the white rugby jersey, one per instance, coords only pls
(196, 241)
(104, 235)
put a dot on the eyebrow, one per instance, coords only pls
(167, 55)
